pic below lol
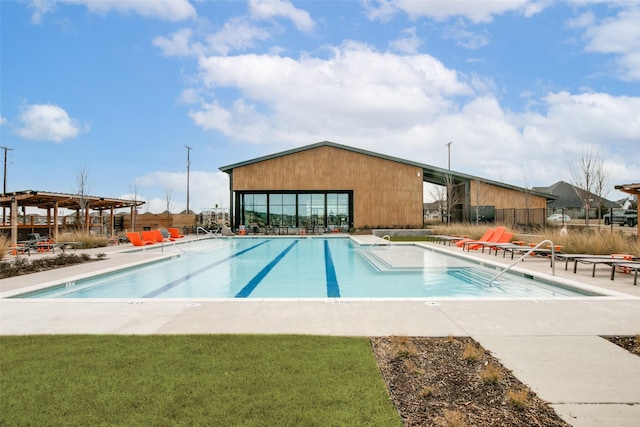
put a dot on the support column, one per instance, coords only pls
(112, 223)
(55, 221)
(14, 221)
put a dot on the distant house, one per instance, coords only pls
(570, 203)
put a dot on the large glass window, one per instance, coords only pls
(254, 210)
(337, 209)
(294, 209)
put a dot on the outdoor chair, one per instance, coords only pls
(175, 233)
(136, 240)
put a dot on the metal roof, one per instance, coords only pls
(46, 200)
(431, 174)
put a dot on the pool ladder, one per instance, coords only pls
(379, 241)
(533, 249)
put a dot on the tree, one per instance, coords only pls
(167, 198)
(452, 196)
(439, 193)
(82, 183)
(589, 174)
(602, 185)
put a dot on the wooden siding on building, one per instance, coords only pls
(483, 194)
(385, 193)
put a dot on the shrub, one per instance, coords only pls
(452, 419)
(491, 374)
(471, 353)
(402, 346)
(517, 398)
(87, 240)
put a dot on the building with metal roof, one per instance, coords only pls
(332, 185)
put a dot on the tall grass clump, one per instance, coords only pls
(595, 241)
(86, 240)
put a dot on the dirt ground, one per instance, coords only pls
(454, 382)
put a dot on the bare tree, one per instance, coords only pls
(167, 198)
(602, 185)
(82, 183)
(439, 193)
(452, 196)
(584, 179)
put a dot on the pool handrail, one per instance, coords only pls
(553, 259)
(215, 234)
(379, 242)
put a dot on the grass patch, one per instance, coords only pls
(239, 380)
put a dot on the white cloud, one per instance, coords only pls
(268, 9)
(355, 87)
(168, 10)
(179, 44)
(206, 189)
(464, 37)
(236, 34)
(47, 122)
(619, 36)
(409, 42)
(3, 121)
(441, 10)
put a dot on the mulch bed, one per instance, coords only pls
(454, 382)
(631, 344)
(451, 381)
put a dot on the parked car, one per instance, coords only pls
(559, 218)
(622, 217)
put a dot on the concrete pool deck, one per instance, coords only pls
(552, 345)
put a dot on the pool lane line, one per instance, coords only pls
(333, 290)
(183, 279)
(249, 287)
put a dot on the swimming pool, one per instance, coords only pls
(305, 268)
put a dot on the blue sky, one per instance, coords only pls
(118, 88)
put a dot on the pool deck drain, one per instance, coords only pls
(554, 346)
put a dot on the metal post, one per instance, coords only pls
(4, 182)
(188, 166)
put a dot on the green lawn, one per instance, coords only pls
(213, 380)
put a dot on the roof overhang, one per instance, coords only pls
(629, 188)
(46, 200)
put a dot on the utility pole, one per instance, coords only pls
(188, 166)
(4, 182)
(448, 145)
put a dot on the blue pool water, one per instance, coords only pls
(301, 268)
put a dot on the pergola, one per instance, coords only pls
(55, 201)
(633, 189)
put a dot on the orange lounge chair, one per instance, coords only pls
(485, 237)
(500, 236)
(136, 240)
(160, 237)
(175, 233)
(153, 235)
